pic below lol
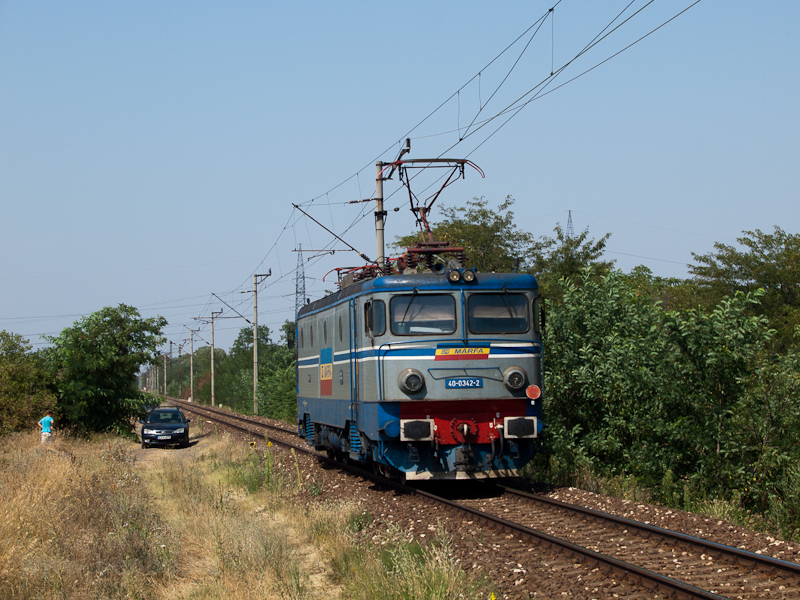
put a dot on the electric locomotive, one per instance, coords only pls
(425, 369)
(426, 375)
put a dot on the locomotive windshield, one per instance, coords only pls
(423, 314)
(497, 313)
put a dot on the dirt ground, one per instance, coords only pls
(203, 438)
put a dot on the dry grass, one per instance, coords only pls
(76, 522)
(83, 520)
(235, 548)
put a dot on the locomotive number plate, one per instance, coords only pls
(463, 382)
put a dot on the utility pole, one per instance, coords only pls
(165, 368)
(191, 362)
(570, 233)
(380, 215)
(255, 339)
(213, 314)
(180, 369)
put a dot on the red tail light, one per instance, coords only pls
(533, 392)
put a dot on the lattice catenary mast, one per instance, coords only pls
(300, 283)
(570, 230)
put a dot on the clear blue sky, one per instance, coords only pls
(150, 152)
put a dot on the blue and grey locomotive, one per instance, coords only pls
(426, 376)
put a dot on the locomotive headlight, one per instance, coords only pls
(453, 276)
(515, 378)
(468, 275)
(410, 381)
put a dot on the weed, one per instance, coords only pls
(408, 570)
(77, 522)
(358, 521)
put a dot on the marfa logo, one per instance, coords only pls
(473, 353)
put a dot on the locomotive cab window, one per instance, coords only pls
(375, 318)
(497, 313)
(423, 314)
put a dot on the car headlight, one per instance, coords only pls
(148, 431)
(181, 430)
(410, 381)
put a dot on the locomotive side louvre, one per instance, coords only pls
(421, 376)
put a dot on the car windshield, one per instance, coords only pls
(423, 314)
(498, 313)
(165, 417)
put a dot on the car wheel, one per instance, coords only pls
(144, 446)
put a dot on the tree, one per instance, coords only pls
(635, 390)
(565, 257)
(277, 385)
(768, 261)
(95, 363)
(24, 393)
(492, 241)
(490, 237)
(244, 341)
(288, 331)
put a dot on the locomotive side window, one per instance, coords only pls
(325, 332)
(423, 314)
(497, 313)
(375, 317)
(378, 317)
(340, 328)
(301, 336)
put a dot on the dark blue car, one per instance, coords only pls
(165, 427)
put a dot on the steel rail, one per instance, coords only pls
(736, 555)
(198, 409)
(637, 575)
(190, 406)
(625, 571)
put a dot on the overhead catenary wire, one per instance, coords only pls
(511, 110)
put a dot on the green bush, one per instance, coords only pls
(25, 396)
(692, 403)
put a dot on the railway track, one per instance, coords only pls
(242, 423)
(696, 561)
(666, 563)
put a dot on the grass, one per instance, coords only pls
(83, 519)
(76, 522)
